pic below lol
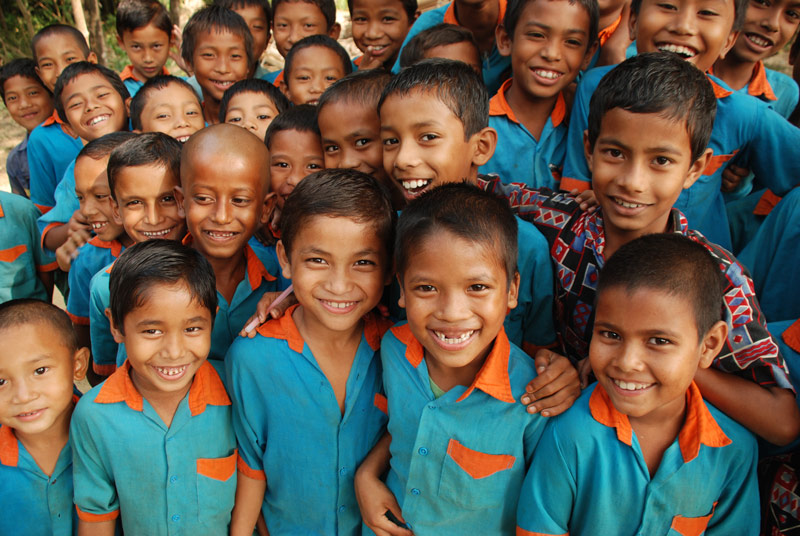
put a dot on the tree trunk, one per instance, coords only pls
(97, 39)
(80, 18)
(175, 11)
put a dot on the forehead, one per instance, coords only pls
(562, 13)
(172, 93)
(660, 130)
(29, 341)
(222, 170)
(166, 302)
(473, 254)
(87, 170)
(219, 37)
(325, 232)
(85, 82)
(642, 308)
(316, 56)
(57, 44)
(18, 82)
(145, 33)
(295, 142)
(346, 115)
(378, 5)
(418, 106)
(149, 179)
(298, 10)
(250, 98)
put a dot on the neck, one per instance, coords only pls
(165, 404)
(210, 109)
(607, 19)
(733, 72)
(481, 19)
(314, 332)
(616, 238)
(51, 440)
(448, 377)
(125, 240)
(532, 112)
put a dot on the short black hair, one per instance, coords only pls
(317, 40)
(158, 262)
(241, 4)
(343, 193)
(24, 67)
(454, 83)
(157, 83)
(657, 83)
(464, 210)
(102, 146)
(218, 19)
(361, 87)
(515, 8)
(55, 29)
(26, 311)
(253, 85)
(739, 11)
(671, 263)
(327, 7)
(74, 70)
(409, 7)
(302, 118)
(442, 34)
(148, 149)
(135, 14)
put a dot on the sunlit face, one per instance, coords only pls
(54, 53)
(146, 205)
(768, 26)
(219, 61)
(314, 69)
(93, 107)
(94, 197)
(173, 110)
(251, 111)
(256, 20)
(463, 51)
(351, 137)
(147, 48)
(27, 101)
(293, 155)
(294, 20)
(379, 28)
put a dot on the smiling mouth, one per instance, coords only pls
(339, 307)
(222, 83)
(99, 119)
(376, 49)
(157, 234)
(171, 372)
(547, 74)
(453, 340)
(30, 414)
(681, 50)
(220, 235)
(627, 204)
(759, 40)
(96, 226)
(183, 139)
(631, 386)
(415, 186)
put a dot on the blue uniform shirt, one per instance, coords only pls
(50, 150)
(92, 257)
(496, 67)
(21, 254)
(519, 157)
(131, 82)
(276, 383)
(775, 89)
(17, 169)
(458, 461)
(744, 127)
(589, 476)
(104, 347)
(66, 203)
(176, 480)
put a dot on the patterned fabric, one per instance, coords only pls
(780, 496)
(577, 242)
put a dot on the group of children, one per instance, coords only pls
(319, 301)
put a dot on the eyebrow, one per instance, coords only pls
(535, 24)
(93, 88)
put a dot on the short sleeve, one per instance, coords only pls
(104, 347)
(80, 277)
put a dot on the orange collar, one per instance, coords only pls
(759, 85)
(791, 336)
(9, 448)
(127, 73)
(492, 378)
(719, 91)
(278, 79)
(450, 13)
(499, 106)
(114, 245)
(699, 426)
(53, 119)
(256, 271)
(285, 329)
(606, 32)
(206, 388)
(2, 214)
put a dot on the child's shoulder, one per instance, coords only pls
(742, 441)
(16, 208)
(521, 370)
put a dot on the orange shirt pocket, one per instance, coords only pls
(12, 254)
(216, 487)
(473, 479)
(691, 526)
(217, 468)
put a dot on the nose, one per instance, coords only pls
(22, 393)
(148, 56)
(294, 36)
(771, 20)
(633, 177)
(338, 282)
(222, 65)
(348, 159)
(173, 345)
(250, 124)
(406, 156)
(551, 51)
(629, 358)
(152, 215)
(373, 30)
(683, 22)
(295, 176)
(222, 212)
(317, 85)
(451, 306)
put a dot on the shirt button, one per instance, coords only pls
(431, 406)
(176, 517)
(54, 481)
(423, 451)
(414, 491)
(341, 509)
(173, 479)
(170, 438)
(343, 471)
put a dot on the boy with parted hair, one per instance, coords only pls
(144, 31)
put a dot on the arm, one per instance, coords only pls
(249, 498)
(770, 412)
(47, 280)
(102, 528)
(556, 386)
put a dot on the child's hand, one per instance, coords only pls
(263, 311)
(556, 386)
(77, 222)
(67, 252)
(586, 198)
(175, 50)
(369, 62)
(584, 372)
(374, 499)
(732, 176)
(615, 48)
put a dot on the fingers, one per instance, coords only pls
(584, 371)
(278, 310)
(383, 525)
(555, 387)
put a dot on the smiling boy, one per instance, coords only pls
(167, 104)
(144, 31)
(379, 29)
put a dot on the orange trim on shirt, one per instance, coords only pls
(47, 267)
(218, 468)
(568, 184)
(79, 320)
(450, 13)
(284, 329)
(493, 378)
(499, 106)
(719, 91)
(50, 227)
(119, 388)
(759, 85)
(357, 61)
(414, 351)
(127, 73)
(698, 427)
(9, 448)
(523, 532)
(609, 30)
(381, 403)
(53, 119)
(767, 202)
(692, 526)
(104, 370)
(44, 209)
(278, 79)
(12, 254)
(247, 471)
(478, 464)
(2, 213)
(114, 245)
(791, 336)
(716, 162)
(96, 518)
(256, 271)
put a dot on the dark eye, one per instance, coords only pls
(659, 341)
(609, 335)
(41, 370)
(425, 288)
(331, 148)
(478, 287)
(390, 141)
(362, 142)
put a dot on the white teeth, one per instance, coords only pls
(376, 48)
(678, 49)
(758, 40)
(223, 82)
(338, 305)
(28, 414)
(630, 386)
(219, 234)
(171, 371)
(96, 226)
(463, 337)
(156, 234)
(551, 75)
(182, 139)
(626, 204)
(413, 184)
(98, 119)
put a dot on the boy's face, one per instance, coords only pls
(768, 26)
(550, 46)
(463, 51)
(219, 61)
(257, 21)
(251, 111)
(147, 49)
(36, 378)
(28, 103)
(146, 206)
(173, 110)
(313, 70)
(424, 145)
(456, 308)
(379, 28)
(698, 30)
(293, 155)
(55, 52)
(638, 173)
(644, 359)
(294, 20)
(338, 268)
(351, 137)
(93, 107)
(223, 203)
(167, 339)
(94, 197)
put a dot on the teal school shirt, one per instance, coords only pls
(458, 461)
(104, 347)
(92, 257)
(589, 476)
(291, 431)
(66, 203)
(50, 150)
(176, 480)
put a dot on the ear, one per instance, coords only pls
(697, 168)
(119, 337)
(417, 13)
(92, 57)
(484, 144)
(269, 205)
(80, 363)
(729, 42)
(503, 40)
(335, 30)
(587, 58)
(121, 44)
(115, 212)
(633, 25)
(128, 106)
(402, 300)
(283, 260)
(513, 291)
(712, 343)
(284, 87)
(587, 149)
(179, 198)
